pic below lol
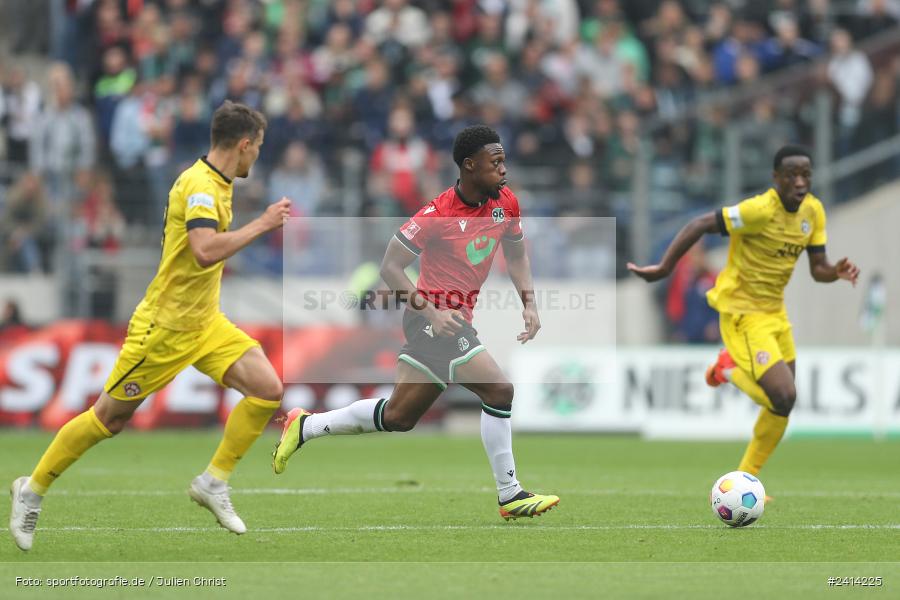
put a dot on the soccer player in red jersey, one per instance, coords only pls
(456, 237)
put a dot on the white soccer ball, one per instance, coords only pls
(738, 499)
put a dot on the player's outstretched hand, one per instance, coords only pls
(277, 214)
(847, 270)
(447, 323)
(648, 273)
(532, 324)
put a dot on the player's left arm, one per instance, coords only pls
(819, 266)
(519, 268)
(825, 272)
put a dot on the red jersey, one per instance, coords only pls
(456, 244)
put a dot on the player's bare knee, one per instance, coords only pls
(783, 399)
(395, 420)
(500, 395)
(272, 389)
(115, 424)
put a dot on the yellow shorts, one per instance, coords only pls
(758, 341)
(152, 356)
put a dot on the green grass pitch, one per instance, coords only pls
(414, 515)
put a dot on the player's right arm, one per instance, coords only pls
(746, 217)
(687, 237)
(210, 246)
(396, 258)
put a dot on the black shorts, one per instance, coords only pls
(434, 355)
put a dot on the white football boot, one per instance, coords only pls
(22, 517)
(218, 503)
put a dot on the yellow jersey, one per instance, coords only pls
(184, 296)
(766, 241)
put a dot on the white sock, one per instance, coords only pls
(496, 435)
(212, 483)
(31, 498)
(359, 417)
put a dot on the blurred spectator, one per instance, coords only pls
(744, 41)
(241, 83)
(301, 177)
(396, 20)
(20, 107)
(787, 47)
(443, 83)
(405, 162)
(63, 140)
(26, 235)
(880, 120)
(602, 64)
(11, 318)
(32, 25)
(297, 124)
(875, 16)
(101, 222)
(763, 132)
(372, 103)
(345, 13)
(117, 80)
(190, 137)
(498, 87)
(692, 320)
(141, 122)
(851, 74)
(551, 22)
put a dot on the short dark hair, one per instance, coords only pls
(233, 122)
(790, 150)
(472, 139)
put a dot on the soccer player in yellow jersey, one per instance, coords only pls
(768, 233)
(177, 324)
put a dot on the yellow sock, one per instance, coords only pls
(71, 441)
(245, 423)
(767, 433)
(746, 384)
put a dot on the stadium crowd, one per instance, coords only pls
(386, 84)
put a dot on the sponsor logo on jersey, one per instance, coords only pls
(480, 248)
(201, 200)
(462, 224)
(410, 231)
(498, 215)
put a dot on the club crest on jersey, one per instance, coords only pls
(804, 226)
(132, 389)
(410, 230)
(498, 215)
(463, 344)
(762, 357)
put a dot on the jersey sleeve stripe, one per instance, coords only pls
(407, 244)
(734, 216)
(195, 223)
(815, 249)
(720, 222)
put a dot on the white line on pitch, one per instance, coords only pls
(424, 489)
(542, 529)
